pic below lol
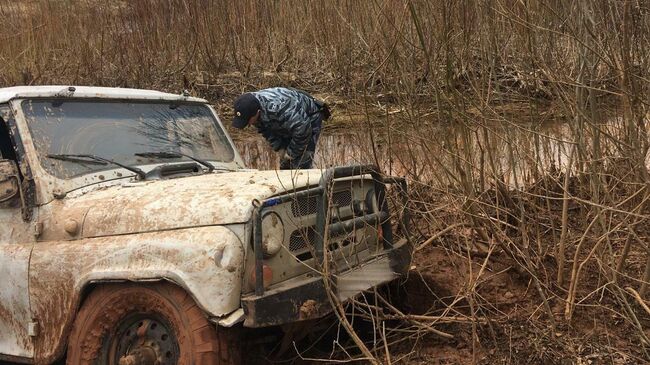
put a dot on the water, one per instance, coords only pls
(518, 153)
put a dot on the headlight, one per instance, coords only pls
(272, 234)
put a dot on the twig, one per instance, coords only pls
(565, 221)
(438, 234)
(638, 299)
(437, 319)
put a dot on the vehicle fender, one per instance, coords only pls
(207, 262)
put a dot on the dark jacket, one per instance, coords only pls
(287, 118)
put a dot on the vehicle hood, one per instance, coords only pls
(205, 200)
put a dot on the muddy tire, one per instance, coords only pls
(152, 323)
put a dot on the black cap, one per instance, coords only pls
(246, 106)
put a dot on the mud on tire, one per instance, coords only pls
(157, 319)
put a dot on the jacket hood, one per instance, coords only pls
(205, 200)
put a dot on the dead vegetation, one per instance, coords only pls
(529, 250)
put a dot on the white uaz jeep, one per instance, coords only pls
(131, 233)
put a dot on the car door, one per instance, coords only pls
(16, 242)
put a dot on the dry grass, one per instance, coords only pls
(411, 50)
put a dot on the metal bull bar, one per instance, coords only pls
(382, 217)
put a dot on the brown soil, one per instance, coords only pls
(518, 331)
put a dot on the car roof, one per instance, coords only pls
(94, 92)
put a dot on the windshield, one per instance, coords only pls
(118, 130)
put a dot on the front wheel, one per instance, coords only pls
(156, 324)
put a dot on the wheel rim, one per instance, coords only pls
(140, 339)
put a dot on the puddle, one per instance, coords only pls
(519, 152)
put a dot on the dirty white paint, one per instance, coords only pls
(220, 198)
(16, 239)
(48, 91)
(14, 299)
(206, 261)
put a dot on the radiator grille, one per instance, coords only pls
(309, 205)
(302, 242)
(301, 239)
(304, 206)
(342, 198)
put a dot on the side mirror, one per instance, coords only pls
(9, 181)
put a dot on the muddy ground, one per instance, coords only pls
(517, 331)
(511, 326)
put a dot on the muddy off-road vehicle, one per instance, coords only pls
(131, 232)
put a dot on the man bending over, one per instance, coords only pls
(289, 119)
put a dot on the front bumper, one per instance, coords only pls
(306, 297)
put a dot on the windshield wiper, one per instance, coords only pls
(92, 159)
(166, 154)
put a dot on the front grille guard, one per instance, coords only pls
(322, 190)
